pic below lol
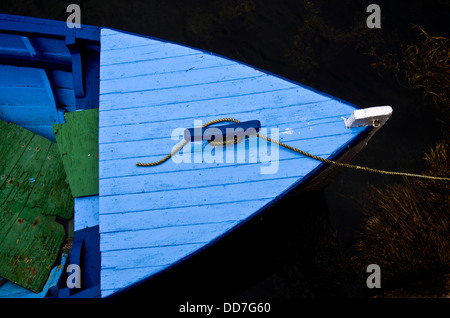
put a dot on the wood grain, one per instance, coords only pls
(152, 218)
(33, 191)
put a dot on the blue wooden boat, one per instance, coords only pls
(148, 91)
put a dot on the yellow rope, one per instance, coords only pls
(331, 162)
(151, 164)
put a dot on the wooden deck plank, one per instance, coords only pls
(208, 91)
(200, 109)
(113, 39)
(161, 147)
(156, 51)
(161, 66)
(147, 257)
(173, 130)
(33, 192)
(29, 249)
(192, 196)
(167, 236)
(207, 173)
(206, 177)
(116, 280)
(77, 141)
(15, 192)
(298, 119)
(86, 212)
(144, 220)
(151, 217)
(52, 193)
(190, 78)
(10, 135)
(109, 168)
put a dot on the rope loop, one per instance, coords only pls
(327, 161)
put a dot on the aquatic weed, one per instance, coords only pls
(407, 229)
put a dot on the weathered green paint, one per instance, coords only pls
(33, 191)
(77, 141)
(29, 249)
(52, 194)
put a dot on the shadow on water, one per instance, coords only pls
(294, 250)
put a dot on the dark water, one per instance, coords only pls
(302, 247)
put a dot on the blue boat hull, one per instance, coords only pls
(146, 220)
(153, 217)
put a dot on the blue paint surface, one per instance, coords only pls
(151, 218)
(46, 69)
(85, 212)
(15, 23)
(26, 99)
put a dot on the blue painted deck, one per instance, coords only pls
(85, 212)
(153, 217)
(149, 219)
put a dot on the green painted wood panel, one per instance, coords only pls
(29, 249)
(33, 191)
(77, 141)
